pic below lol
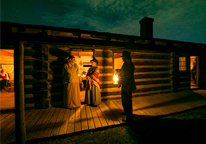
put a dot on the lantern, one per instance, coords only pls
(115, 79)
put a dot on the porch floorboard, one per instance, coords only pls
(43, 123)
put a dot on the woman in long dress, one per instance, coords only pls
(92, 94)
(71, 97)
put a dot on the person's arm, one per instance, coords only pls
(88, 75)
(8, 76)
(63, 70)
(194, 69)
(77, 69)
(121, 73)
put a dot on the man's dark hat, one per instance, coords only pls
(126, 54)
(70, 56)
(94, 60)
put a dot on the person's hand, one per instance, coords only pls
(117, 70)
(88, 78)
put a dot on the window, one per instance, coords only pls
(182, 63)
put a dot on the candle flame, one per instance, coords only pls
(115, 78)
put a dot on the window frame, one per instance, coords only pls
(182, 63)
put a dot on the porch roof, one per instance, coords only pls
(76, 38)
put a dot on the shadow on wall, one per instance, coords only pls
(57, 81)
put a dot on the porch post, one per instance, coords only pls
(20, 127)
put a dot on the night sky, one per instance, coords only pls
(183, 20)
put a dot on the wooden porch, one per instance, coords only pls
(42, 123)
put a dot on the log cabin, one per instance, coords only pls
(161, 66)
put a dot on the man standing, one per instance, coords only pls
(126, 80)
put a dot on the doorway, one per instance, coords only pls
(82, 59)
(194, 72)
(7, 79)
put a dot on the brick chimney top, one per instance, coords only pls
(146, 27)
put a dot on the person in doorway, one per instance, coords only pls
(4, 79)
(127, 83)
(81, 84)
(92, 94)
(71, 96)
(194, 72)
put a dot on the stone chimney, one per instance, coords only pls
(146, 27)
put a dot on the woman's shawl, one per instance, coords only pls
(93, 77)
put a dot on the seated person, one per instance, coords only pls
(4, 79)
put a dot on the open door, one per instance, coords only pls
(82, 59)
(194, 72)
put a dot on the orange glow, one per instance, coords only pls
(115, 78)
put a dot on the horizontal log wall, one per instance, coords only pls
(153, 73)
(37, 75)
(173, 72)
(105, 58)
(184, 82)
